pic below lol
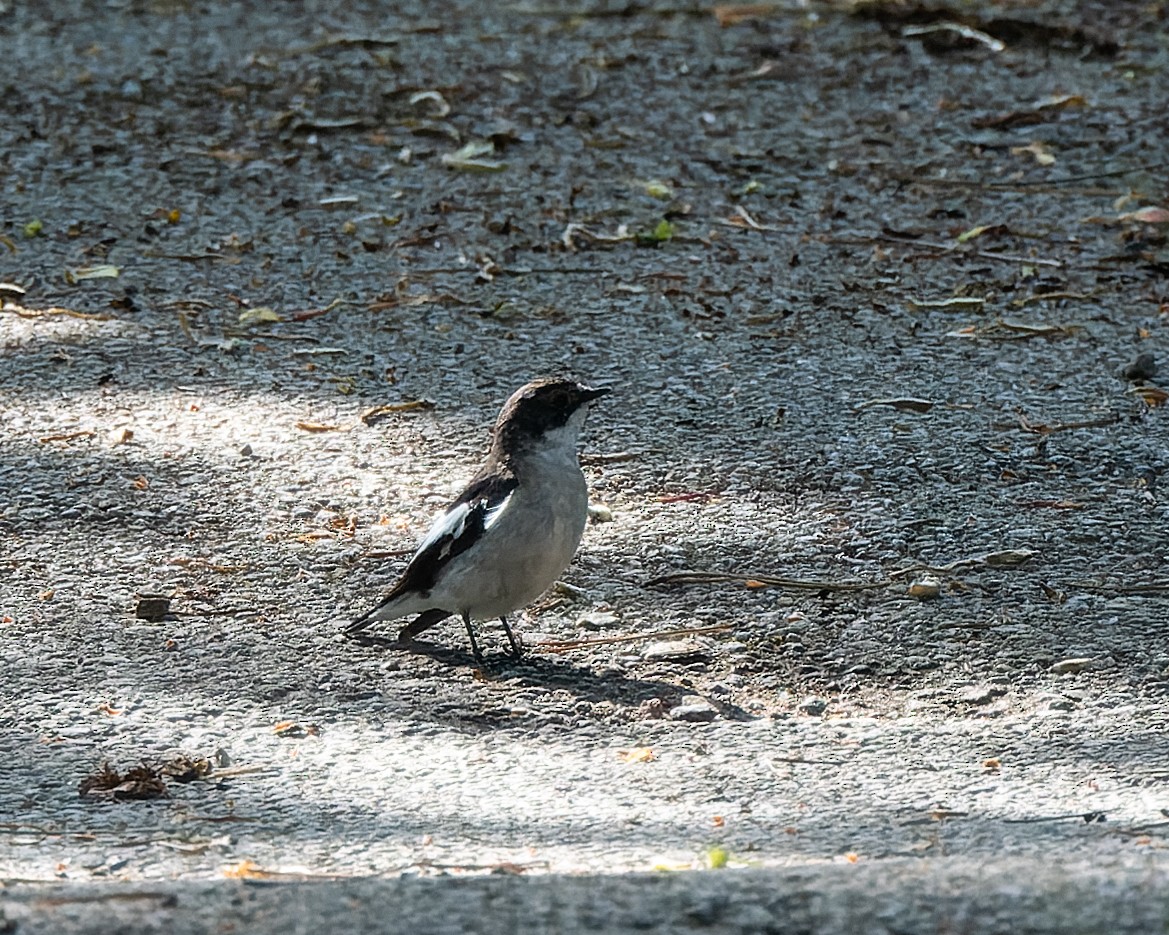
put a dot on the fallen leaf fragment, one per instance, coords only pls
(966, 32)
(1038, 150)
(1009, 558)
(259, 315)
(245, 870)
(960, 301)
(296, 729)
(1071, 666)
(903, 403)
(317, 427)
(67, 436)
(102, 271)
(996, 230)
(728, 14)
(372, 415)
(140, 782)
(470, 158)
(993, 764)
(636, 755)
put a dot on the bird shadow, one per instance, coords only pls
(653, 697)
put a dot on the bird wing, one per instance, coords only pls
(454, 531)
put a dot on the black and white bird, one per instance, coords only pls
(513, 531)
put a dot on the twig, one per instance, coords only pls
(23, 312)
(309, 313)
(1034, 183)
(1040, 429)
(1151, 587)
(560, 646)
(1007, 558)
(714, 577)
(950, 248)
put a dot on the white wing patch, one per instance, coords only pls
(449, 524)
(495, 512)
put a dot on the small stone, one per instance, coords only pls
(814, 706)
(151, 606)
(1071, 666)
(599, 513)
(980, 694)
(926, 588)
(697, 711)
(597, 621)
(675, 651)
(1144, 367)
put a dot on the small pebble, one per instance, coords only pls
(599, 513)
(697, 712)
(1071, 666)
(980, 694)
(1144, 367)
(597, 621)
(814, 706)
(926, 588)
(151, 606)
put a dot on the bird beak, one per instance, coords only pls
(589, 393)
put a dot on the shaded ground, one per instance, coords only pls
(764, 235)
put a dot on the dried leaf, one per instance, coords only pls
(1009, 558)
(374, 414)
(658, 189)
(258, 315)
(903, 403)
(993, 764)
(245, 870)
(469, 158)
(317, 427)
(996, 230)
(636, 755)
(103, 271)
(728, 14)
(1036, 149)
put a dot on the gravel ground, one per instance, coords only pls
(765, 236)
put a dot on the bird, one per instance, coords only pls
(514, 529)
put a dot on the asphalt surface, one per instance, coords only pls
(870, 634)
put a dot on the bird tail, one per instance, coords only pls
(393, 607)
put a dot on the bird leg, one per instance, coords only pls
(515, 647)
(471, 633)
